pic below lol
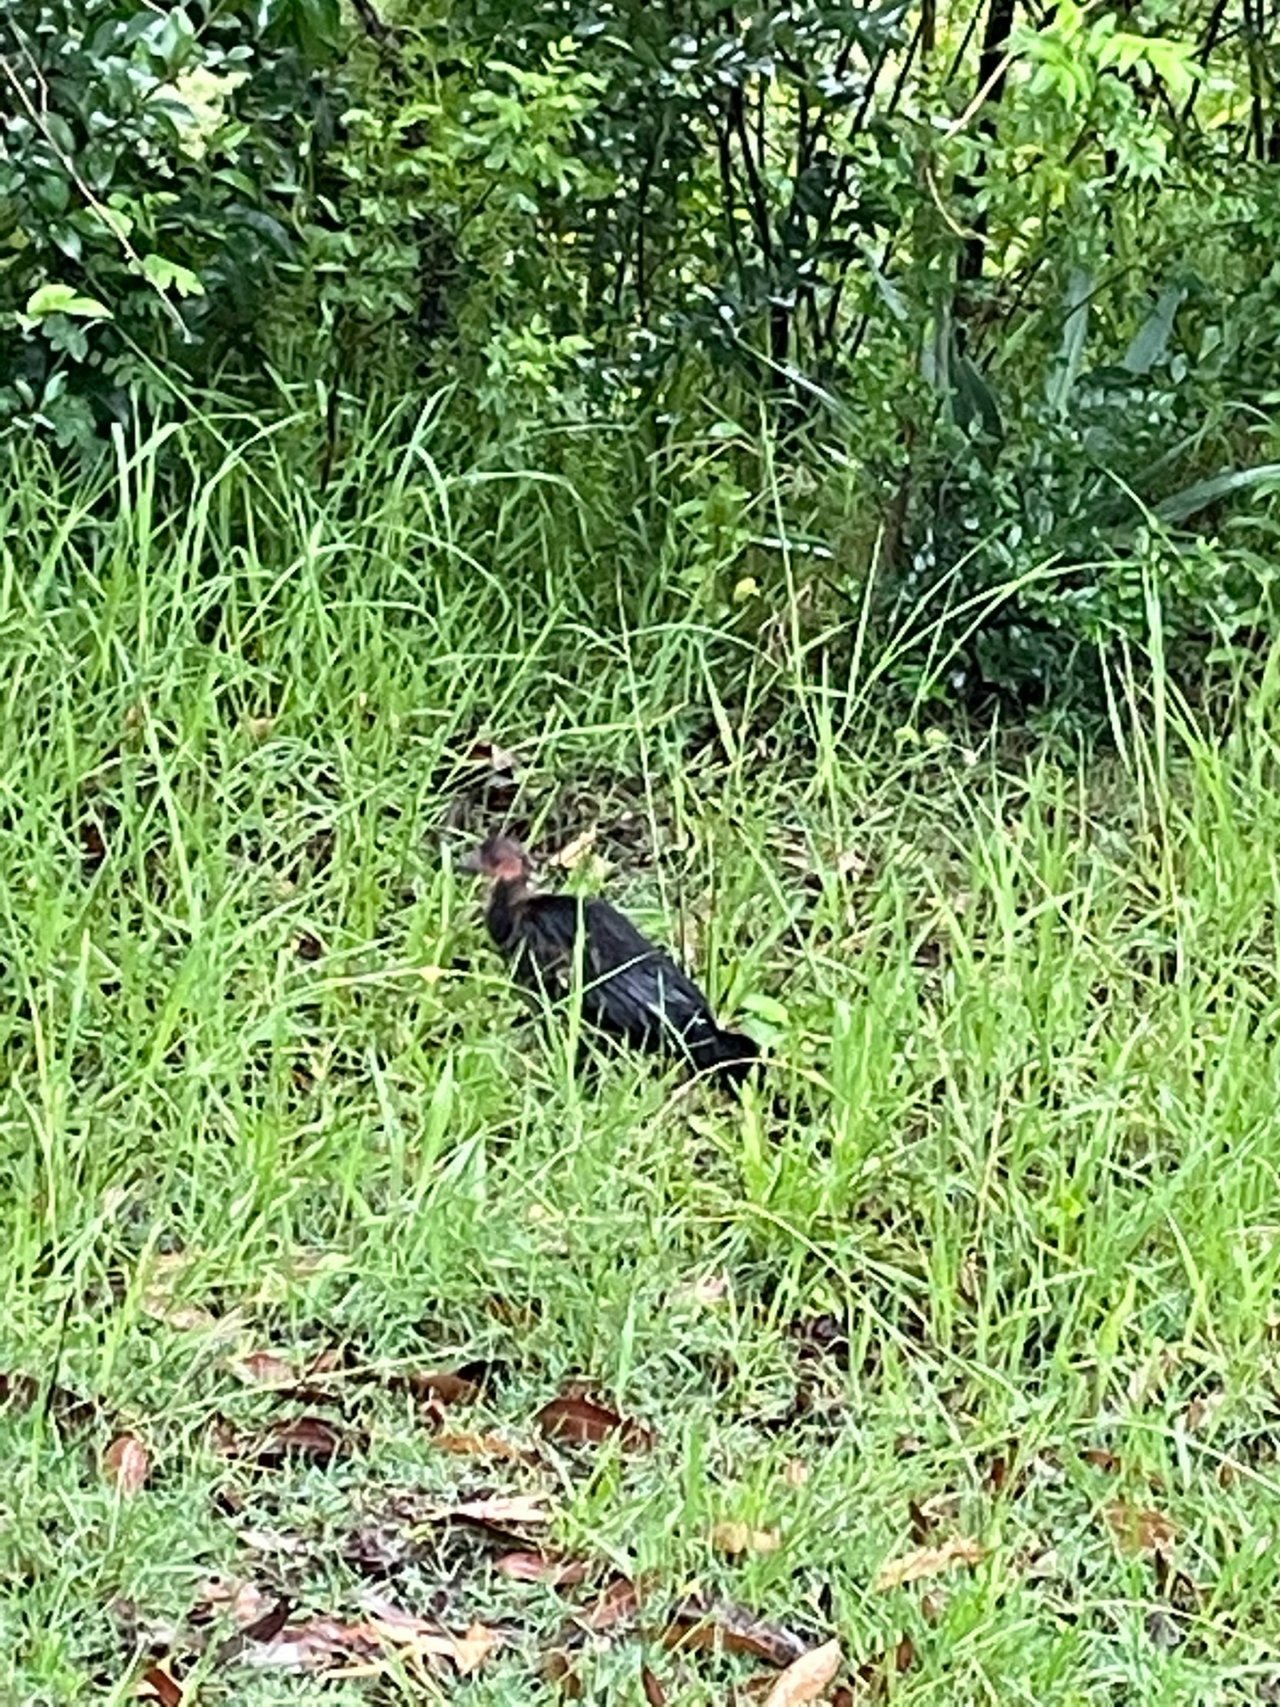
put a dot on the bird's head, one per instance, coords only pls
(500, 859)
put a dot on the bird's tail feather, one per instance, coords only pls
(730, 1057)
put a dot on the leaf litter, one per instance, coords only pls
(580, 1420)
(806, 1678)
(271, 1633)
(925, 1562)
(126, 1464)
(736, 1538)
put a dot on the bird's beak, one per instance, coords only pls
(470, 863)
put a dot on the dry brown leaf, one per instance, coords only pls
(735, 1538)
(428, 1640)
(482, 1446)
(543, 1568)
(127, 1464)
(246, 1603)
(157, 1684)
(264, 1369)
(1101, 1458)
(925, 1562)
(805, 1679)
(572, 854)
(301, 1647)
(449, 1386)
(260, 1631)
(576, 1418)
(516, 1510)
(189, 1318)
(557, 1669)
(654, 1693)
(795, 1472)
(309, 1438)
(719, 1624)
(622, 1599)
(473, 1649)
(1140, 1529)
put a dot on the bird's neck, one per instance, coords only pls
(505, 904)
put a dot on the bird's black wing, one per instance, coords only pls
(635, 989)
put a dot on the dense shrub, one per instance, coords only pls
(152, 162)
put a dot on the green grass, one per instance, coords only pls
(1024, 1015)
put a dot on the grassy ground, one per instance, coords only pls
(1000, 1278)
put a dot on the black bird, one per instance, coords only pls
(632, 990)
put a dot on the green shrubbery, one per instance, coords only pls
(998, 299)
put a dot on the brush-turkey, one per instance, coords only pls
(632, 991)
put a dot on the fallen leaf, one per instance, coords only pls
(1140, 1529)
(572, 854)
(244, 1601)
(795, 1472)
(161, 1686)
(473, 1649)
(805, 1679)
(310, 1438)
(720, 1625)
(482, 1446)
(264, 1369)
(23, 1392)
(392, 1623)
(1101, 1458)
(516, 1510)
(259, 727)
(654, 1693)
(558, 1669)
(127, 1464)
(261, 1631)
(735, 1538)
(449, 1386)
(585, 1422)
(190, 1318)
(1203, 1409)
(543, 1568)
(927, 1562)
(620, 1600)
(299, 1647)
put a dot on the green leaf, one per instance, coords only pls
(972, 398)
(1075, 328)
(1205, 492)
(64, 299)
(162, 273)
(1152, 337)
